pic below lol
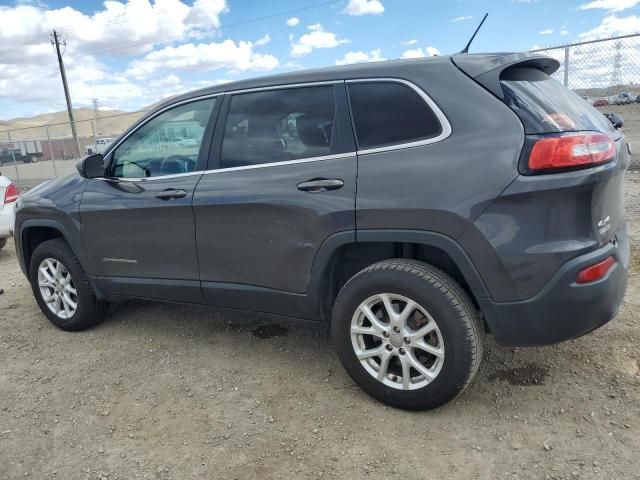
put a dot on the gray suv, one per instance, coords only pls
(414, 206)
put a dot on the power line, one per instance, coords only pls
(25, 45)
(171, 39)
(222, 27)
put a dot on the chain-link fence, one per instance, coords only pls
(606, 73)
(30, 155)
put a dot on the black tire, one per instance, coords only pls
(90, 311)
(449, 306)
(3, 243)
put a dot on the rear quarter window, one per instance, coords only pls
(545, 106)
(390, 113)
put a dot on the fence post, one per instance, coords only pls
(77, 141)
(13, 155)
(93, 132)
(53, 155)
(566, 67)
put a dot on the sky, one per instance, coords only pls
(128, 54)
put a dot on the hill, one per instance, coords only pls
(109, 123)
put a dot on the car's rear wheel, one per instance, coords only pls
(62, 288)
(408, 334)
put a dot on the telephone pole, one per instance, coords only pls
(56, 42)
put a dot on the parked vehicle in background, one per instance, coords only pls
(8, 196)
(100, 145)
(600, 102)
(414, 205)
(23, 151)
(622, 98)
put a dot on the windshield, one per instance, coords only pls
(545, 106)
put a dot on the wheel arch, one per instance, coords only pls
(346, 253)
(37, 231)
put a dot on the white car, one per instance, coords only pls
(100, 146)
(8, 196)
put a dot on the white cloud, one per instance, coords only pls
(29, 77)
(361, 57)
(293, 21)
(419, 52)
(316, 38)
(263, 41)
(564, 32)
(408, 43)
(133, 22)
(364, 7)
(614, 5)
(548, 31)
(462, 18)
(613, 25)
(203, 57)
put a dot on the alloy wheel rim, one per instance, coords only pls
(397, 341)
(57, 288)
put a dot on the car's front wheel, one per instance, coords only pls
(408, 334)
(62, 288)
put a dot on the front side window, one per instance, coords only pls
(278, 125)
(166, 145)
(390, 113)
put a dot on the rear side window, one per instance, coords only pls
(390, 113)
(278, 125)
(545, 106)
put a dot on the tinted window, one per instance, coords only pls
(386, 113)
(167, 144)
(544, 105)
(278, 125)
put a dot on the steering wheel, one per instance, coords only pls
(174, 160)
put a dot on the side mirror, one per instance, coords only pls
(91, 166)
(616, 120)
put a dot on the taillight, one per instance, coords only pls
(571, 150)
(596, 271)
(11, 193)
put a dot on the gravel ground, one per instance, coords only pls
(176, 392)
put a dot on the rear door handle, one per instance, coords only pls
(318, 185)
(171, 193)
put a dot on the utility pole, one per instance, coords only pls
(56, 42)
(96, 113)
(616, 76)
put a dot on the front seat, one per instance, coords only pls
(313, 136)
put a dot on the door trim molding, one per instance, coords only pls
(336, 156)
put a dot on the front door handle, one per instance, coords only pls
(171, 193)
(318, 185)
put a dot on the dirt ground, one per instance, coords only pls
(175, 392)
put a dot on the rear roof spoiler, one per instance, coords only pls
(486, 68)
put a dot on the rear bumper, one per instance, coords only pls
(7, 220)
(563, 309)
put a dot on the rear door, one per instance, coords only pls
(281, 181)
(138, 228)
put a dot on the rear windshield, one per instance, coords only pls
(545, 106)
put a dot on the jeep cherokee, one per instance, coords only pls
(413, 205)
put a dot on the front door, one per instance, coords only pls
(282, 180)
(138, 228)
